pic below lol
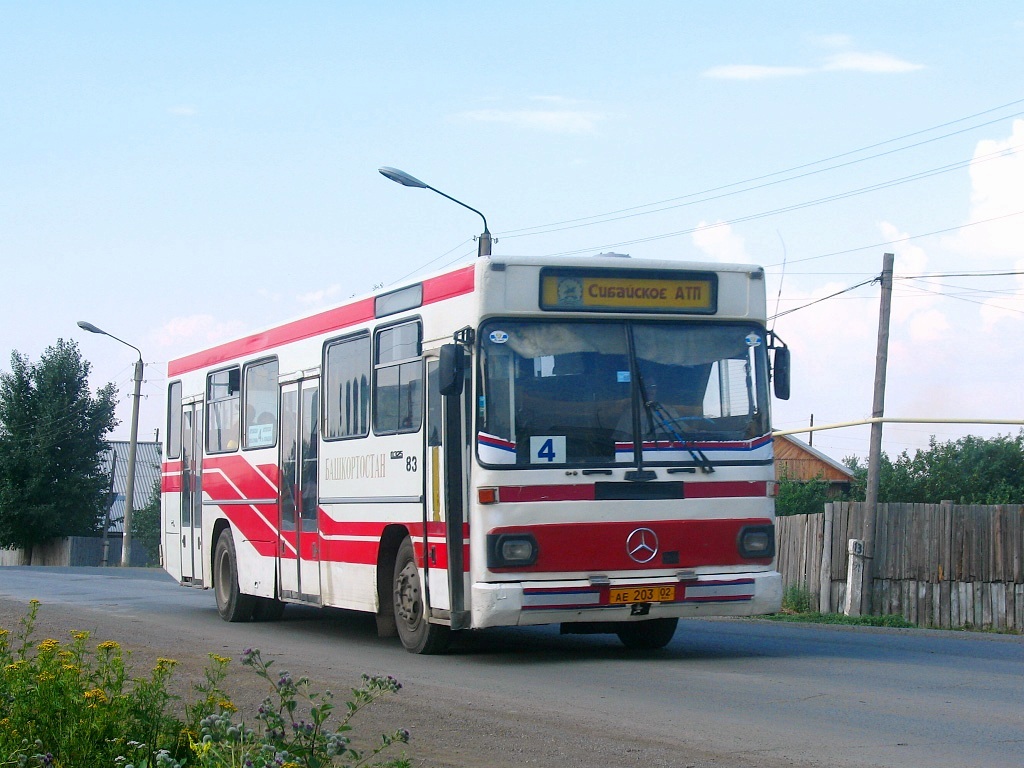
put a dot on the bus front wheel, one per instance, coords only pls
(232, 605)
(418, 635)
(647, 635)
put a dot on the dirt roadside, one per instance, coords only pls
(487, 732)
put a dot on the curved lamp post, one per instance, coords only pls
(129, 491)
(403, 178)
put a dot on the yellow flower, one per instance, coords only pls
(220, 659)
(109, 645)
(162, 664)
(227, 705)
(78, 634)
(95, 696)
(49, 644)
(14, 666)
(3, 632)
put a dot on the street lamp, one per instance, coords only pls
(403, 178)
(129, 491)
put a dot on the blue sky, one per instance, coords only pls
(179, 174)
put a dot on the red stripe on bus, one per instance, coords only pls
(332, 527)
(435, 289)
(586, 492)
(603, 547)
(582, 492)
(232, 478)
(727, 489)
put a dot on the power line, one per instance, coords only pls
(800, 206)
(637, 210)
(875, 278)
(823, 298)
(900, 239)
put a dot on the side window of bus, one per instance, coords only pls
(174, 420)
(260, 392)
(223, 410)
(398, 380)
(347, 388)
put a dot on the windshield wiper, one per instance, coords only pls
(660, 417)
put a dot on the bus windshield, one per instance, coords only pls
(554, 392)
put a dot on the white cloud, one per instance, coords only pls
(753, 72)
(1009, 307)
(720, 242)
(927, 326)
(183, 110)
(564, 121)
(844, 61)
(875, 63)
(317, 298)
(997, 190)
(183, 334)
(910, 260)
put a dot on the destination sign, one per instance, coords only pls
(635, 291)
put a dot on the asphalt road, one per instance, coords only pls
(724, 693)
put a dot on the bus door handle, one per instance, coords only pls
(183, 541)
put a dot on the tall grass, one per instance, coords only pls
(73, 704)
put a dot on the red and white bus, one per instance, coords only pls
(582, 441)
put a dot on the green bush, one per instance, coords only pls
(796, 599)
(68, 706)
(795, 497)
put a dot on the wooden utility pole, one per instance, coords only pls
(875, 448)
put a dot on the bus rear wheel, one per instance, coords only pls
(417, 634)
(232, 605)
(647, 635)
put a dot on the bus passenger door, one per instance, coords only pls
(298, 549)
(192, 493)
(444, 510)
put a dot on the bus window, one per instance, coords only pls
(398, 380)
(222, 411)
(260, 405)
(347, 388)
(569, 392)
(174, 420)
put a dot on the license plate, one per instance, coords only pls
(629, 595)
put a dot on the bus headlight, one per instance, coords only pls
(756, 542)
(511, 550)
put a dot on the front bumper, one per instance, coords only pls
(549, 602)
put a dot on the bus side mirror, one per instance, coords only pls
(451, 370)
(781, 373)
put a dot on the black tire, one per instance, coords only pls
(647, 635)
(416, 633)
(232, 604)
(268, 609)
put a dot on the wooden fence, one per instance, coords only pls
(939, 565)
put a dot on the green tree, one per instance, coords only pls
(52, 436)
(970, 470)
(795, 497)
(146, 525)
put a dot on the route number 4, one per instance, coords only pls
(545, 449)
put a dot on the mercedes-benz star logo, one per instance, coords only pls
(642, 545)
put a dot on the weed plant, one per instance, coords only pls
(68, 705)
(813, 617)
(796, 599)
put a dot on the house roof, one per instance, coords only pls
(147, 475)
(800, 461)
